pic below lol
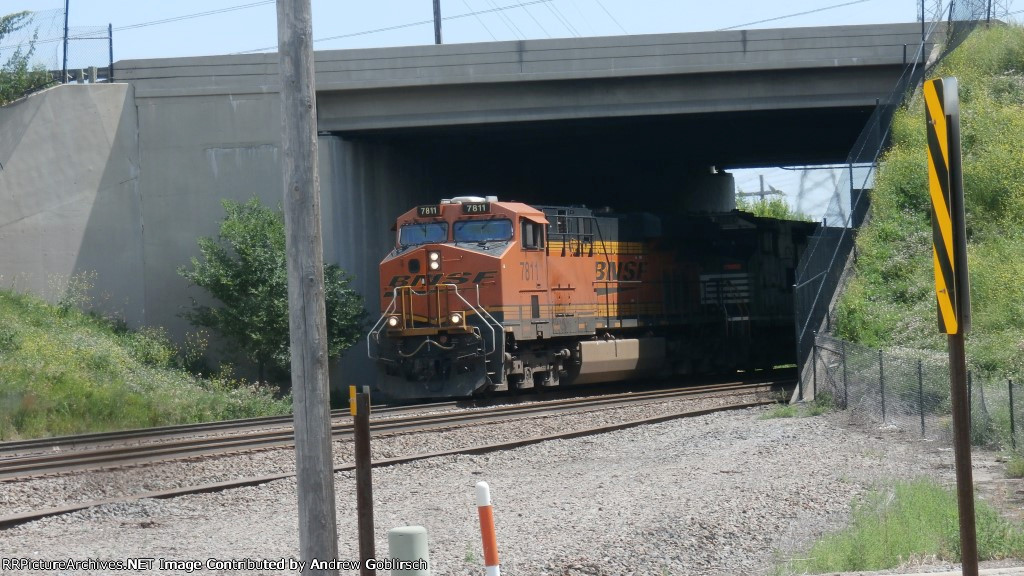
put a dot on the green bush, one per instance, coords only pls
(245, 269)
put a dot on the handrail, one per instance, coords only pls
(403, 292)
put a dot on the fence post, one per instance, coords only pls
(110, 48)
(920, 392)
(1013, 426)
(814, 366)
(881, 381)
(970, 398)
(846, 387)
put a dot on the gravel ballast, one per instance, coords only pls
(726, 493)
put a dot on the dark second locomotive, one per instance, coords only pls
(483, 295)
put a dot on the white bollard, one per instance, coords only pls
(409, 543)
(490, 539)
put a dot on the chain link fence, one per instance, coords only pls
(824, 264)
(84, 54)
(909, 391)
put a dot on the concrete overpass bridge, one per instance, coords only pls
(139, 168)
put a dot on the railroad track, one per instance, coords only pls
(169, 447)
(37, 465)
(158, 433)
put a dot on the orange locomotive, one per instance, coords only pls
(485, 295)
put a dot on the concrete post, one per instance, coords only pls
(409, 543)
(92, 74)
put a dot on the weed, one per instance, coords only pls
(82, 373)
(781, 411)
(910, 520)
(1015, 467)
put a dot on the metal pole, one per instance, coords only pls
(962, 451)
(846, 386)
(364, 481)
(64, 65)
(881, 381)
(922, 24)
(1013, 425)
(814, 366)
(920, 393)
(437, 21)
(110, 45)
(970, 397)
(307, 316)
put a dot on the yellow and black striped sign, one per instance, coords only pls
(945, 183)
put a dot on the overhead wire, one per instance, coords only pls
(156, 22)
(505, 19)
(196, 15)
(584, 16)
(553, 8)
(793, 15)
(481, 21)
(537, 22)
(601, 4)
(497, 9)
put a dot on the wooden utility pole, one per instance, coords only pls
(307, 312)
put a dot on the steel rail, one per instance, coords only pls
(21, 518)
(21, 467)
(10, 448)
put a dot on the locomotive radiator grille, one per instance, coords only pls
(717, 289)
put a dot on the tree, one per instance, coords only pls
(245, 269)
(17, 77)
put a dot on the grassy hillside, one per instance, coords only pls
(891, 300)
(65, 372)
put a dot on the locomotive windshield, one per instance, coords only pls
(498, 230)
(423, 233)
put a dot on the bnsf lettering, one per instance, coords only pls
(608, 271)
(450, 278)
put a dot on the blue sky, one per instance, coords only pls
(207, 27)
(254, 27)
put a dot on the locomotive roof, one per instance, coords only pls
(446, 208)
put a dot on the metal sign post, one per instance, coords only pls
(952, 288)
(359, 405)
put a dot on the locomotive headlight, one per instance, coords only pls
(435, 256)
(434, 264)
(456, 318)
(393, 321)
(435, 260)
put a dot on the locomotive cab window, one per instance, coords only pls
(532, 234)
(423, 233)
(493, 230)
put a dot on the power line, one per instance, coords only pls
(537, 22)
(498, 9)
(481, 21)
(507, 21)
(601, 4)
(162, 21)
(793, 15)
(561, 18)
(196, 15)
